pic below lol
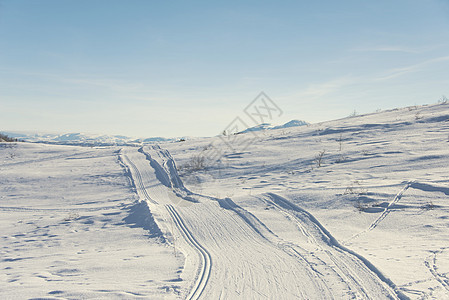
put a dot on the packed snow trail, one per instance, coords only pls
(231, 254)
(357, 271)
(206, 261)
(138, 182)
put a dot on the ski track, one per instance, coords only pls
(167, 172)
(349, 264)
(383, 215)
(250, 261)
(431, 265)
(206, 260)
(138, 183)
(387, 209)
(206, 265)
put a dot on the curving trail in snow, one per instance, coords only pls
(206, 261)
(231, 253)
(360, 276)
(138, 181)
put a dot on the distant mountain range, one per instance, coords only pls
(84, 139)
(112, 140)
(267, 126)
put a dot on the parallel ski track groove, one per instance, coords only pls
(387, 209)
(384, 214)
(139, 181)
(344, 270)
(333, 243)
(205, 270)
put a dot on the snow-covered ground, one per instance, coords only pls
(71, 228)
(351, 208)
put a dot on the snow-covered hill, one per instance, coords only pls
(378, 183)
(268, 126)
(84, 139)
(355, 208)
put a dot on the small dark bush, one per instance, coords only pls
(5, 138)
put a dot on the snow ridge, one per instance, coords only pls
(306, 218)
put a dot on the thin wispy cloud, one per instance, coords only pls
(319, 90)
(387, 48)
(397, 72)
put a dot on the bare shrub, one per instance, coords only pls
(428, 206)
(360, 206)
(341, 159)
(443, 100)
(5, 138)
(353, 114)
(366, 152)
(319, 158)
(340, 142)
(355, 189)
(71, 217)
(196, 163)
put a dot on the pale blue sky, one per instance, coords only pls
(174, 68)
